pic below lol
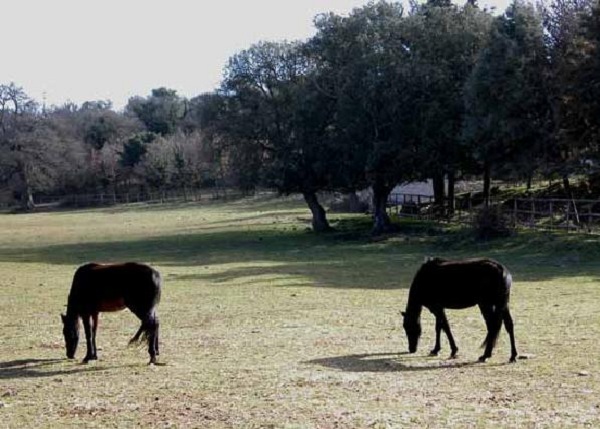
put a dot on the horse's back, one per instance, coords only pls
(463, 283)
(112, 287)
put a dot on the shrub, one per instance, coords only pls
(492, 222)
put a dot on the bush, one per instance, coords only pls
(492, 222)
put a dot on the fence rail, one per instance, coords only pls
(150, 197)
(546, 214)
(581, 215)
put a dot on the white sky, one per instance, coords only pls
(82, 50)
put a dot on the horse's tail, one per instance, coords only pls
(499, 311)
(148, 327)
(492, 336)
(138, 335)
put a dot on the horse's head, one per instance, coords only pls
(412, 327)
(71, 334)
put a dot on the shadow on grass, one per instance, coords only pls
(323, 260)
(348, 258)
(393, 362)
(39, 368)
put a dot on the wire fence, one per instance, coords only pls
(580, 215)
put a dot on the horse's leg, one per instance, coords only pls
(149, 329)
(156, 337)
(493, 321)
(510, 328)
(440, 315)
(88, 337)
(487, 312)
(94, 330)
(152, 326)
(438, 330)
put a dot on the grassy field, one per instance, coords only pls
(265, 324)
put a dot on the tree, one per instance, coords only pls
(274, 114)
(234, 160)
(563, 22)
(578, 110)
(585, 86)
(131, 154)
(28, 144)
(364, 66)
(508, 110)
(444, 41)
(161, 112)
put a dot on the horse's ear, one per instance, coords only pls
(427, 259)
(63, 318)
(403, 313)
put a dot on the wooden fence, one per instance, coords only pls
(537, 213)
(149, 197)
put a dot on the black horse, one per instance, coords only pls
(456, 284)
(112, 287)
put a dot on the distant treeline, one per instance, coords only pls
(382, 96)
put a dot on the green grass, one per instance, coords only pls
(265, 324)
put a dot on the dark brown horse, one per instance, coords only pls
(112, 287)
(456, 284)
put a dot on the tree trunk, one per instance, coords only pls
(319, 217)
(354, 205)
(451, 183)
(381, 221)
(27, 202)
(439, 193)
(487, 173)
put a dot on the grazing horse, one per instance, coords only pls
(112, 287)
(457, 284)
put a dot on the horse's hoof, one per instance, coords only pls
(434, 353)
(513, 359)
(482, 359)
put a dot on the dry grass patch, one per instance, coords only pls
(266, 325)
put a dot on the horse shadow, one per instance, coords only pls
(40, 368)
(394, 362)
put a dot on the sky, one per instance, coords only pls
(81, 50)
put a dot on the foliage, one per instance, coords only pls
(491, 222)
(508, 112)
(361, 65)
(444, 42)
(161, 112)
(274, 112)
(381, 96)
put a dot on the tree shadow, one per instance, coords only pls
(317, 260)
(40, 368)
(329, 260)
(391, 362)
